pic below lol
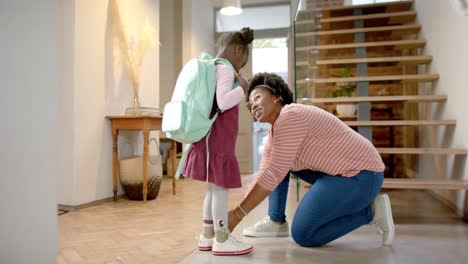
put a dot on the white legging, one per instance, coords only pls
(215, 206)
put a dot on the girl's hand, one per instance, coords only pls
(233, 221)
(243, 82)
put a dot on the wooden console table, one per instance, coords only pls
(145, 124)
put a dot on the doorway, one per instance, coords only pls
(268, 55)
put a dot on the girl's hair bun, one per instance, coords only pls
(247, 35)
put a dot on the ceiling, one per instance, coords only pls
(219, 3)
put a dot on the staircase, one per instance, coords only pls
(380, 45)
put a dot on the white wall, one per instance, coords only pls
(446, 33)
(197, 28)
(28, 134)
(93, 85)
(65, 181)
(170, 59)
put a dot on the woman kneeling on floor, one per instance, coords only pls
(345, 169)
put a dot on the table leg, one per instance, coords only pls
(174, 168)
(145, 163)
(115, 135)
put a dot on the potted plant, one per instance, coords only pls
(343, 89)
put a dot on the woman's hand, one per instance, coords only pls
(256, 195)
(233, 221)
(243, 82)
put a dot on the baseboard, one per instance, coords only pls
(65, 208)
(69, 208)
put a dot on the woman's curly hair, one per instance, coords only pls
(275, 84)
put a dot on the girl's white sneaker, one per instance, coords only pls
(204, 243)
(231, 246)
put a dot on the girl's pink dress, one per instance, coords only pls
(223, 166)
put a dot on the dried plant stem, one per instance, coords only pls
(118, 32)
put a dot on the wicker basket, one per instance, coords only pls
(131, 176)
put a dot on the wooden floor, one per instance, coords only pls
(164, 231)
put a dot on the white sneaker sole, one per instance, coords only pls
(388, 212)
(205, 248)
(205, 244)
(232, 253)
(250, 233)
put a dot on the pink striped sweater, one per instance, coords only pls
(307, 137)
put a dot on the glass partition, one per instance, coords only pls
(310, 45)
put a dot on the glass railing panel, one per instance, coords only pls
(308, 45)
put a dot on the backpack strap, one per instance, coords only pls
(182, 161)
(204, 54)
(208, 152)
(225, 62)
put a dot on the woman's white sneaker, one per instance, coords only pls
(383, 218)
(267, 228)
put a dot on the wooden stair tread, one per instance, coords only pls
(302, 64)
(410, 28)
(433, 151)
(400, 59)
(409, 14)
(404, 4)
(390, 98)
(412, 43)
(395, 183)
(406, 77)
(401, 123)
(428, 184)
(404, 14)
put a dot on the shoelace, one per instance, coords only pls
(377, 226)
(265, 221)
(231, 237)
(201, 237)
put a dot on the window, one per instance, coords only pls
(270, 55)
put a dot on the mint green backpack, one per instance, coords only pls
(186, 118)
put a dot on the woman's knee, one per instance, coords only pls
(305, 237)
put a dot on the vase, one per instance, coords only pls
(131, 173)
(346, 110)
(131, 177)
(135, 108)
(136, 105)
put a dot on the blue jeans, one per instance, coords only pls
(333, 207)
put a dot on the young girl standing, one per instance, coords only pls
(223, 172)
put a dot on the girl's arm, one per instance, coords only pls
(226, 96)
